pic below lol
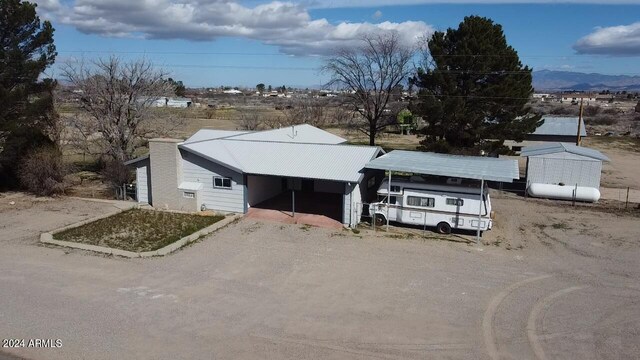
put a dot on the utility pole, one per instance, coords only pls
(578, 139)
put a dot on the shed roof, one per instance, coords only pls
(560, 126)
(312, 161)
(553, 148)
(468, 167)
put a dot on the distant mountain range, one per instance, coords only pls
(548, 80)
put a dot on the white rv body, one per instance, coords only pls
(415, 201)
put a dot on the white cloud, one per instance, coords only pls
(375, 3)
(284, 24)
(623, 40)
(377, 15)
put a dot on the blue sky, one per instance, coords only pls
(243, 43)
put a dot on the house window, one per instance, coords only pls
(221, 182)
(455, 202)
(189, 195)
(420, 201)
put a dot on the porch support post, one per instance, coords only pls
(480, 210)
(388, 198)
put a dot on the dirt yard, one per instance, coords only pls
(554, 282)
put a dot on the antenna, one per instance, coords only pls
(294, 133)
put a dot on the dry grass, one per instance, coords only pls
(138, 230)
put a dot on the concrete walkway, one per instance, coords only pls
(300, 218)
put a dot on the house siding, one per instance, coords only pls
(347, 203)
(198, 169)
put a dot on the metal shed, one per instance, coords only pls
(563, 163)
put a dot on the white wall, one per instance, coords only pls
(261, 188)
(198, 169)
(142, 183)
(566, 168)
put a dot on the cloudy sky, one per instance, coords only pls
(236, 42)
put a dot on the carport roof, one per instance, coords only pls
(468, 167)
(311, 161)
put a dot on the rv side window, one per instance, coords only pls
(395, 188)
(455, 202)
(420, 201)
(383, 199)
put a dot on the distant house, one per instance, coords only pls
(179, 102)
(541, 97)
(576, 98)
(232, 92)
(233, 171)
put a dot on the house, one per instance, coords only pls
(573, 98)
(178, 102)
(232, 92)
(564, 171)
(233, 171)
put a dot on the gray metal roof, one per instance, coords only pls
(560, 126)
(312, 161)
(553, 148)
(468, 167)
(303, 133)
(136, 160)
(211, 134)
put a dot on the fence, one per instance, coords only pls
(126, 192)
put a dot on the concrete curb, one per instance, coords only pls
(47, 238)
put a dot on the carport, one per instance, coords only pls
(455, 166)
(296, 196)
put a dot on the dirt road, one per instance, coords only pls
(276, 291)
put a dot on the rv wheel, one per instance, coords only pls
(380, 220)
(443, 228)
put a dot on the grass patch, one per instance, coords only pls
(561, 226)
(138, 230)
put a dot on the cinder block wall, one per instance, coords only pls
(166, 173)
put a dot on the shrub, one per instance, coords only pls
(600, 120)
(43, 172)
(591, 110)
(116, 173)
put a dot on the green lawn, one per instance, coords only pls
(138, 230)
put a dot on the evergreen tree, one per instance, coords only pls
(473, 90)
(27, 112)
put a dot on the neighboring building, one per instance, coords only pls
(172, 102)
(232, 92)
(553, 129)
(558, 129)
(559, 170)
(541, 97)
(576, 98)
(232, 171)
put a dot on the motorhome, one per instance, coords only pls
(445, 204)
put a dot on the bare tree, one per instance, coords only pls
(117, 99)
(306, 111)
(249, 120)
(370, 73)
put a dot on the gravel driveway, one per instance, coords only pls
(275, 291)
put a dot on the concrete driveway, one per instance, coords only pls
(275, 291)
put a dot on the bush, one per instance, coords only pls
(600, 120)
(43, 172)
(116, 173)
(591, 110)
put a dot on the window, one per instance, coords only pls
(420, 201)
(455, 202)
(221, 182)
(395, 189)
(371, 182)
(189, 195)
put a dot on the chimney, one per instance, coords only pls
(166, 172)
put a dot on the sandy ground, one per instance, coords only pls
(278, 291)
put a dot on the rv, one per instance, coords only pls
(445, 205)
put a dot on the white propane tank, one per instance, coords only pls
(564, 192)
